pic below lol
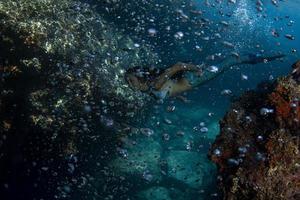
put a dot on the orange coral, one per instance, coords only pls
(282, 102)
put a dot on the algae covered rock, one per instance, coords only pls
(82, 46)
(62, 87)
(257, 151)
(64, 62)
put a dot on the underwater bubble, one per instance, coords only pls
(87, 108)
(266, 111)
(235, 54)
(218, 35)
(214, 194)
(213, 69)
(204, 130)
(260, 156)
(217, 152)
(260, 138)
(180, 133)
(244, 77)
(152, 32)
(226, 92)
(211, 114)
(259, 8)
(166, 137)
(167, 121)
(275, 33)
(71, 168)
(107, 121)
(210, 57)
(136, 45)
(171, 108)
(228, 44)
(122, 152)
(67, 188)
(294, 105)
(202, 124)
(179, 35)
(205, 38)
(45, 168)
(198, 48)
(290, 37)
(248, 119)
(242, 149)
(147, 176)
(274, 2)
(147, 131)
(232, 161)
(195, 128)
(224, 23)
(290, 23)
(188, 146)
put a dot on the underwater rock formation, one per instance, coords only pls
(258, 149)
(84, 45)
(60, 56)
(62, 68)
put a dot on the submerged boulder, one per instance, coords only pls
(257, 151)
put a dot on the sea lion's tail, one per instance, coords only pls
(230, 61)
(259, 58)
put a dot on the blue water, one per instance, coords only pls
(168, 165)
(165, 155)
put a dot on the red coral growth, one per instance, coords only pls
(270, 168)
(222, 160)
(278, 99)
(287, 107)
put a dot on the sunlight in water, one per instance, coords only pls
(245, 14)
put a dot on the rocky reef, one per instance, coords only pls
(257, 151)
(62, 87)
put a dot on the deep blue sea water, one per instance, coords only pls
(166, 158)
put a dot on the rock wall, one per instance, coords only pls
(70, 60)
(257, 151)
(62, 87)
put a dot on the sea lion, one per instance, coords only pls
(181, 77)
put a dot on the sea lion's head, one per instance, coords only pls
(136, 78)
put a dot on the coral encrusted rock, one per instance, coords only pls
(258, 149)
(61, 84)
